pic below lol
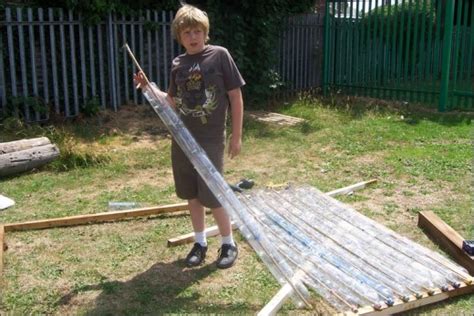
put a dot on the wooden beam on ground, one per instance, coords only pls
(277, 301)
(213, 230)
(188, 238)
(351, 188)
(95, 218)
(2, 235)
(449, 239)
(413, 303)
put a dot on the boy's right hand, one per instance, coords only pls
(140, 81)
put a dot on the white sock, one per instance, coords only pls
(200, 237)
(228, 240)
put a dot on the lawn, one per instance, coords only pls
(422, 160)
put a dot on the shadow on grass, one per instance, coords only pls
(160, 289)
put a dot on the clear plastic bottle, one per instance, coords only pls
(223, 193)
(120, 206)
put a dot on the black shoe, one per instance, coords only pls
(196, 256)
(227, 256)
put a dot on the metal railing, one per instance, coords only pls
(422, 51)
(51, 62)
(300, 53)
(411, 50)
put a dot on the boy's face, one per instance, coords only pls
(193, 39)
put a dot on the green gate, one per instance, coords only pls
(409, 50)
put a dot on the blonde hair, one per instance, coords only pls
(190, 16)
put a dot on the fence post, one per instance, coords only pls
(111, 64)
(447, 44)
(326, 49)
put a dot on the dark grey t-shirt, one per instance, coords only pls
(199, 85)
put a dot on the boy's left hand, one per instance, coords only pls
(235, 145)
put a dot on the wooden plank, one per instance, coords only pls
(446, 237)
(2, 235)
(351, 188)
(188, 238)
(413, 303)
(95, 218)
(272, 307)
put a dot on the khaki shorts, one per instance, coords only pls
(188, 183)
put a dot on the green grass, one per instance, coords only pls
(421, 159)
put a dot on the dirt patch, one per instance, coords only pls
(134, 120)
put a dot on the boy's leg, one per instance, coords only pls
(197, 215)
(198, 253)
(228, 252)
(223, 222)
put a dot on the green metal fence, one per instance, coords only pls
(412, 50)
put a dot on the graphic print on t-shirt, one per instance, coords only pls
(190, 101)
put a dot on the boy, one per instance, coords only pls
(204, 82)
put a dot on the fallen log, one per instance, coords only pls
(17, 145)
(23, 155)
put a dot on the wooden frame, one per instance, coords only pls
(400, 306)
(286, 291)
(85, 219)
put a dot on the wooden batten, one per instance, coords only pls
(2, 235)
(449, 239)
(95, 218)
(189, 237)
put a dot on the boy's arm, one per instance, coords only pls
(237, 112)
(141, 83)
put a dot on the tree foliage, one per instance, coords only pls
(250, 29)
